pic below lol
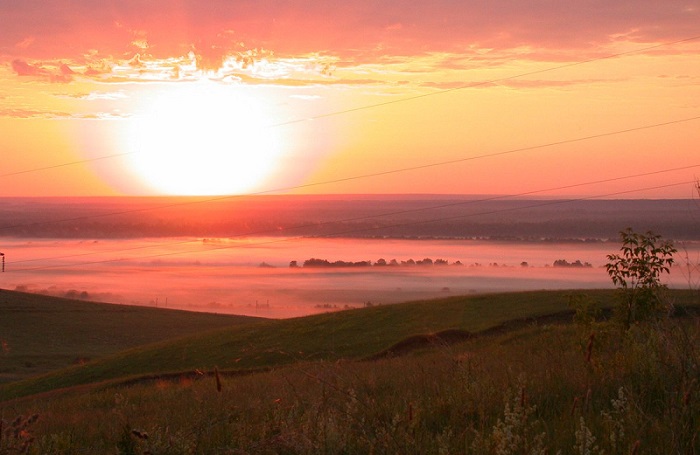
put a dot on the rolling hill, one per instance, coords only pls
(245, 344)
(501, 373)
(41, 333)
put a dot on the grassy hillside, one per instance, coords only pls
(535, 389)
(40, 333)
(350, 334)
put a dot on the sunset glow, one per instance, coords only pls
(144, 98)
(202, 139)
(358, 226)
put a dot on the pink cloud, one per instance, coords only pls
(25, 43)
(65, 70)
(363, 29)
(60, 73)
(23, 68)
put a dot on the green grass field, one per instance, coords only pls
(72, 333)
(40, 333)
(374, 380)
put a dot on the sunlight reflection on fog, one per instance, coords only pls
(230, 280)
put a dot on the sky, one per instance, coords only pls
(508, 97)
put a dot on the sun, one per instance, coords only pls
(203, 138)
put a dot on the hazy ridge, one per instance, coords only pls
(352, 216)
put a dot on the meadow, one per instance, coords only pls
(42, 333)
(501, 373)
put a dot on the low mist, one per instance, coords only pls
(254, 277)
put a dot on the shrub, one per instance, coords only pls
(637, 271)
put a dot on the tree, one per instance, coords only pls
(637, 271)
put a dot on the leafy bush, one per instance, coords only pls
(637, 271)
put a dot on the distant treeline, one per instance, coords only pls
(565, 263)
(318, 263)
(325, 263)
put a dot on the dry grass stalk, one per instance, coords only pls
(589, 348)
(573, 407)
(587, 402)
(218, 379)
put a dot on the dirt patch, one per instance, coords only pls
(452, 336)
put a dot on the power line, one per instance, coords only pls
(505, 152)
(492, 81)
(382, 173)
(365, 229)
(363, 176)
(71, 163)
(381, 215)
(401, 100)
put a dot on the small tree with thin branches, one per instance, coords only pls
(636, 271)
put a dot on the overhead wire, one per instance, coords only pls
(492, 81)
(401, 100)
(375, 216)
(70, 163)
(364, 229)
(393, 171)
(363, 176)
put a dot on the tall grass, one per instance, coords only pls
(538, 389)
(349, 334)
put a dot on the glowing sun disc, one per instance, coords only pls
(203, 139)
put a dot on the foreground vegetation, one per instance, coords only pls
(353, 334)
(589, 387)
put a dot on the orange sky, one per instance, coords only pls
(442, 96)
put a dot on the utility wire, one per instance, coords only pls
(492, 81)
(71, 163)
(359, 230)
(401, 100)
(394, 170)
(371, 217)
(364, 176)
(505, 152)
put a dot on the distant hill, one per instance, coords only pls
(398, 216)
